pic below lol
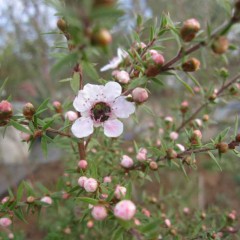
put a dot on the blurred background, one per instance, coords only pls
(28, 51)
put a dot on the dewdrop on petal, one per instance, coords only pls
(99, 213)
(126, 161)
(91, 185)
(125, 210)
(71, 116)
(5, 222)
(82, 180)
(120, 192)
(47, 200)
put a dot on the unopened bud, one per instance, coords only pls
(140, 95)
(203, 215)
(153, 165)
(191, 65)
(222, 147)
(125, 210)
(57, 106)
(189, 29)
(184, 107)
(5, 112)
(5, 222)
(28, 111)
(67, 230)
(220, 45)
(212, 97)
(101, 37)
(99, 213)
(171, 154)
(90, 224)
(91, 185)
(237, 138)
(126, 162)
(62, 25)
(71, 116)
(120, 192)
(82, 164)
(157, 57)
(205, 118)
(30, 199)
(121, 76)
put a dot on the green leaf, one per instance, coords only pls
(20, 191)
(215, 160)
(3, 86)
(88, 200)
(117, 234)
(150, 226)
(42, 106)
(184, 84)
(236, 126)
(137, 82)
(75, 82)
(19, 214)
(44, 146)
(19, 127)
(89, 70)
(65, 80)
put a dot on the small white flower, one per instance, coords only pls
(114, 63)
(101, 106)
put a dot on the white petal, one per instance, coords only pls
(112, 90)
(93, 92)
(121, 53)
(80, 103)
(122, 108)
(112, 64)
(113, 128)
(82, 127)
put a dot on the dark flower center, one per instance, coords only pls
(100, 112)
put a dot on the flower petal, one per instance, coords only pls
(122, 108)
(80, 103)
(93, 93)
(112, 90)
(113, 128)
(82, 127)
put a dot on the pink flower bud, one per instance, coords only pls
(71, 116)
(142, 154)
(90, 224)
(91, 185)
(104, 196)
(107, 179)
(25, 136)
(126, 162)
(140, 45)
(82, 164)
(186, 211)
(47, 200)
(168, 119)
(180, 147)
(167, 223)
(11, 236)
(5, 222)
(5, 110)
(137, 222)
(99, 213)
(122, 76)
(158, 142)
(197, 133)
(157, 57)
(57, 106)
(173, 136)
(120, 192)
(146, 212)
(130, 149)
(140, 95)
(125, 210)
(82, 180)
(5, 199)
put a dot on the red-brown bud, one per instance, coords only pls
(212, 97)
(184, 107)
(57, 106)
(189, 29)
(237, 138)
(205, 118)
(222, 147)
(171, 154)
(191, 65)
(28, 111)
(153, 165)
(101, 37)
(220, 45)
(62, 25)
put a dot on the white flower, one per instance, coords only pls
(121, 55)
(101, 106)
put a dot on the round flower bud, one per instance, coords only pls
(28, 111)
(99, 213)
(173, 136)
(47, 200)
(140, 95)
(5, 199)
(90, 224)
(205, 118)
(152, 70)
(125, 210)
(82, 164)
(25, 136)
(122, 76)
(222, 147)
(191, 65)
(101, 37)
(67, 230)
(11, 236)
(5, 222)
(57, 106)
(171, 154)
(237, 138)
(107, 179)
(197, 134)
(82, 180)
(71, 116)
(62, 25)
(157, 57)
(189, 29)
(30, 199)
(220, 45)
(146, 212)
(142, 154)
(126, 162)
(168, 119)
(91, 185)
(184, 106)
(167, 223)
(5, 111)
(153, 165)
(120, 192)
(198, 122)
(186, 211)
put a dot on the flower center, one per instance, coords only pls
(100, 112)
